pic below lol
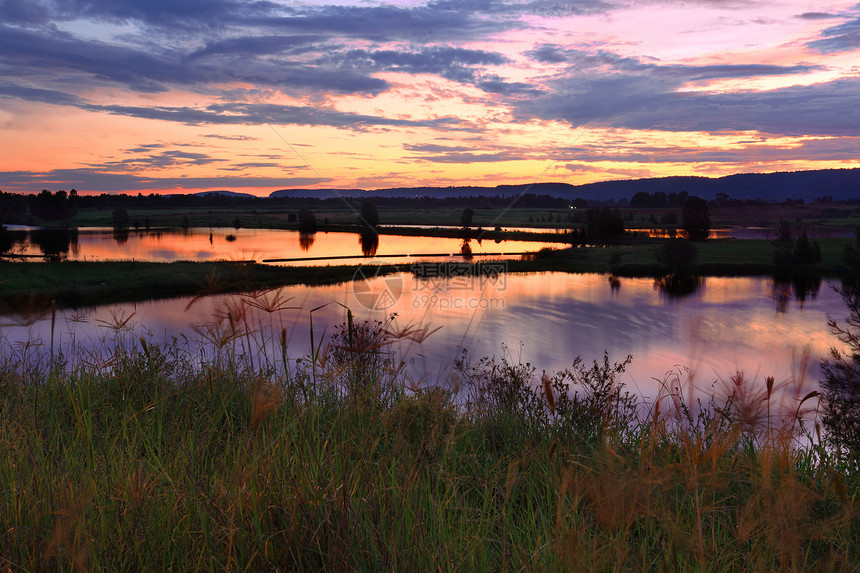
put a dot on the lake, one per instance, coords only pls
(102, 244)
(755, 325)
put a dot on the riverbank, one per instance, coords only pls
(74, 283)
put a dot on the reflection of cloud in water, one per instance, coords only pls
(546, 319)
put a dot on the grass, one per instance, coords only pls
(71, 283)
(231, 455)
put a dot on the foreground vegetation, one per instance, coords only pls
(230, 455)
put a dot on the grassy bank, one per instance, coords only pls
(73, 283)
(235, 457)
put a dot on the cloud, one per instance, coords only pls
(231, 137)
(842, 38)
(816, 16)
(260, 114)
(38, 55)
(824, 149)
(39, 95)
(649, 101)
(604, 61)
(446, 61)
(163, 159)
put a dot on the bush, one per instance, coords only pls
(841, 384)
(678, 254)
(696, 218)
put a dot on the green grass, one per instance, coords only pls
(72, 283)
(230, 456)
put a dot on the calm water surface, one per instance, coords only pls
(99, 244)
(727, 325)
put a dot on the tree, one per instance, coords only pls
(466, 217)
(369, 216)
(841, 384)
(696, 218)
(120, 218)
(788, 252)
(678, 254)
(605, 225)
(307, 220)
(806, 253)
(851, 256)
(783, 253)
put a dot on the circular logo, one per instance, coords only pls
(375, 292)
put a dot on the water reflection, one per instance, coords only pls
(679, 285)
(466, 250)
(799, 286)
(258, 244)
(369, 241)
(120, 235)
(546, 319)
(306, 241)
(55, 244)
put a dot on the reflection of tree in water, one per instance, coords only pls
(7, 240)
(800, 286)
(120, 235)
(679, 285)
(369, 241)
(306, 240)
(466, 250)
(55, 243)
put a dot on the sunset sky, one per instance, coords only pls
(180, 96)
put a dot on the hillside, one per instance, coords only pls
(841, 184)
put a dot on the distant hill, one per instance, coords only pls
(225, 193)
(841, 184)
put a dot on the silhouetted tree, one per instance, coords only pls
(369, 216)
(851, 256)
(806, 253)
(841, 384)
(466, 217)
(696, 218)
(307, 220)
(604, 225)
(678, 254)
(120, 218)
(788, 252)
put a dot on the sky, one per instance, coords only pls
(174, 96)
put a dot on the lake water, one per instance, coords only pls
(726, 325)
(100, 244)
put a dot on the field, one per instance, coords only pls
(267, 216)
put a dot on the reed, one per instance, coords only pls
(227, 454)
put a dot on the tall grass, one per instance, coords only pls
(230, 455)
